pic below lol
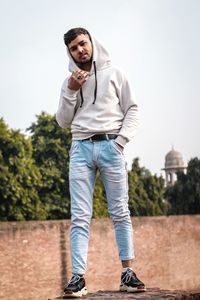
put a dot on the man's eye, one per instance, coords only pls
(83, 43)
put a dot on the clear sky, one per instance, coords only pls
(155, 42)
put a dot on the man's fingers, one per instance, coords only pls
(80, 75)
(77, 79)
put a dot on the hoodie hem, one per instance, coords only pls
(82, 136)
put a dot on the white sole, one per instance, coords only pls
(128, 289)
(78, 294)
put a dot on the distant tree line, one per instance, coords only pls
(34, 178)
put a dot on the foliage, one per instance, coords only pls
(19, 178)
(145, 192)
(100, 204)
(184, 195)
(34, 178)
(51, 146)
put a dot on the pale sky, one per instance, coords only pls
(155, 42)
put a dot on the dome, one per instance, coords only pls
(174, 160)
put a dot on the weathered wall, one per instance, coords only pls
(35, 256)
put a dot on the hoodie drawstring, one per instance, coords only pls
(82, 99)
(95, 89)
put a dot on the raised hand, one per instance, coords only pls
(78, 78)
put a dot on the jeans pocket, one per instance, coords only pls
(117, 147)
(74, 147)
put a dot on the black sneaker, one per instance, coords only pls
(75, 287)
(130, 283)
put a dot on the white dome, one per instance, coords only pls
(174, 160)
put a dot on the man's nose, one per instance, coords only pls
(80, 49)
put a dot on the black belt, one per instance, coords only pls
(101, 137)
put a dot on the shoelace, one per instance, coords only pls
(74, 279)
(128, 275)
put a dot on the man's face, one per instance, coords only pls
(81, 49)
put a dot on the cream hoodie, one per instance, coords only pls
(113, 111)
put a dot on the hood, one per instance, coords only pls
(100, 57)
(100, 60)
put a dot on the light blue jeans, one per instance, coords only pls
(85, 158)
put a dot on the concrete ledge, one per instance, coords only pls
(151, 294)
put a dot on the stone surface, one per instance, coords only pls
(151, 294)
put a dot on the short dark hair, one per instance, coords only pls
(73, 33)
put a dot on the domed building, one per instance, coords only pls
(173, 163)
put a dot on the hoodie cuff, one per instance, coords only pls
(71, 93)
(121, 140)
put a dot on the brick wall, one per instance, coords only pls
(35, 256)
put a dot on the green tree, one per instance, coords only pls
(155, 186)
(145, 192)
(51, 145)
(34, 175)
(19, 178)
(100, 208)
(184, 195)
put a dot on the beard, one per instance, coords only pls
(82, 64)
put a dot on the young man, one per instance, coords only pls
(97, 103)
